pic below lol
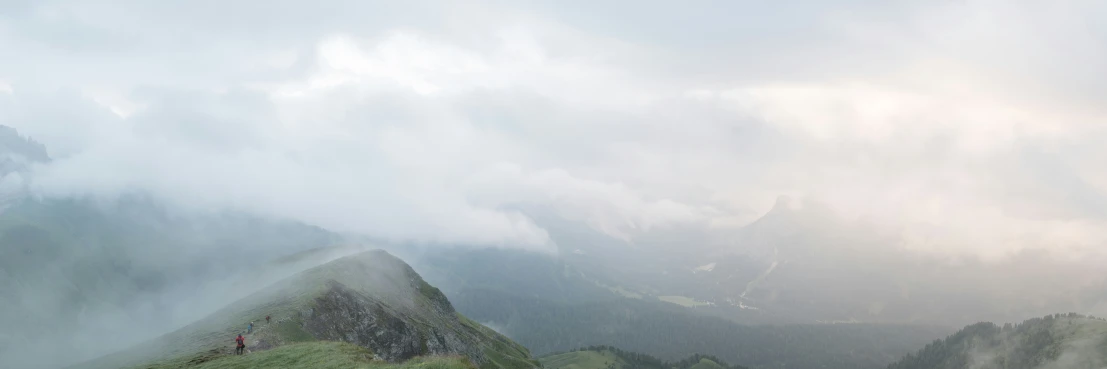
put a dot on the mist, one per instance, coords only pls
(413, 131)
(946, 152)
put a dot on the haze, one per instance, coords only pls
(959, 131)
(418, 121)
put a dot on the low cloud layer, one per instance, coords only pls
(972, 126)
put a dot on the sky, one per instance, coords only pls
(971, 127)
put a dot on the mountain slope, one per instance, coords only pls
(319, 355)
(801, 262)
(1058, 341)
(83, 277)
(604, 357)
(551, 305)
(672, 332)
(371, 299)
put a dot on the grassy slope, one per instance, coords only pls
(706, 364)
(315, 355)
(582, 360)
(504, 352)
(375, 273)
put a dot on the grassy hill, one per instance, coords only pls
(317, 355)
(707, 364)
(584, 360)
(371, 299)
(604, 357)
(1069, 341)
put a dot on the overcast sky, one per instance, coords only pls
(421, 120)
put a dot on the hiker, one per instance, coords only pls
(250, 328)
(266, 319)
(241, 345)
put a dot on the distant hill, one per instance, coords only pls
(672, 332)
(605, 357)
(371, 299)
(1059, 341)
(552, 306)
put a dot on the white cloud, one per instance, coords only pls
(401, 126)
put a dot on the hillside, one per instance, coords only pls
(321, 355)
(90, 277)
(1068, 341)
(371, 299)
(671, 332)
(605, 357)
(551, 306)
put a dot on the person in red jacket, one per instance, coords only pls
(266, 319)
(241, 345)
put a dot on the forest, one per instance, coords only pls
(1032, 344)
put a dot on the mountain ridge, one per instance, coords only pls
(371, 299)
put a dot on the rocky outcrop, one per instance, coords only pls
(343, 314)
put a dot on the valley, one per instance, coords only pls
(137, 282)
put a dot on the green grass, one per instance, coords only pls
(290, 331)
(502, 351)
(314, 355)
(581, 360)
(707, 364)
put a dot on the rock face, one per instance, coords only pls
(377, 301)
(343, 314)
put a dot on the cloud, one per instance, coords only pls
(423, 121)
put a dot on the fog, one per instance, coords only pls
(931, 133)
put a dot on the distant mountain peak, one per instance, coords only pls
(783, 203)
(13, 144)
(17, 154)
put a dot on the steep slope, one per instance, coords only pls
(371, 299)
(604, 357)
(1069, 341)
